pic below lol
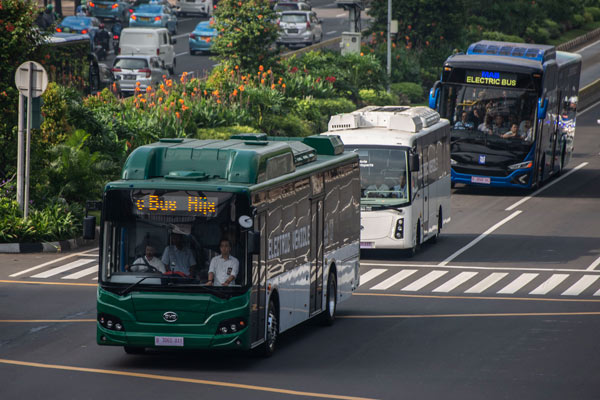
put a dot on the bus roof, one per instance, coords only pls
(390, 125)
(240, 162)
(527, 51)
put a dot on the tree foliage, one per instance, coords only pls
(246, 34)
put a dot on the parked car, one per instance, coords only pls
(150, 42)
(129, 70)
(154, 16)
(202, 38)
(115, 10)
(299, 28)
(202, 7)
(292, 6)
(84, 25)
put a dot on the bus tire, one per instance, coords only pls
(413, 251)
(268, 348)
(439, 227)
(134, 350)
(328, 316)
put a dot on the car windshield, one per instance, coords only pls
(131, 63)
(170, 236)
(149, 8)
(293, 18)
(383, 175)
(286, 7)
(76, 21)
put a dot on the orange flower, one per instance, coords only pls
(241, 88)
(205, 92)
(177, 114)
(172, 104)
(283, 86)
(272, 86)
(235, 92)
(160, 99)
(269, 71)
(149, 89)
(259, 16)
(181, 101)
(218, 101)
(216, 93)
(261, 68)
(237, 67)
(362, 54)
(137, 84)
(225, 69)
(143, 100)
(239, 3)
(262, 81)
(184, 108)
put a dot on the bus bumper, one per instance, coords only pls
(520, 178)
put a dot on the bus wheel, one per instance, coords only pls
(272, 330)
(328, 316)
(439, 227)
(134, 350)
(412, 252)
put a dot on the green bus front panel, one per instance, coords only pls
(199, 317)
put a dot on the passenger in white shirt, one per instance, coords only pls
(224, 268)
(144, 263)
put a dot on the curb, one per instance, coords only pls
(45, 247)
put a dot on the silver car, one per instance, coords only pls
(299, 28)
(129, 70)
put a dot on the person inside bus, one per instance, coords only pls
(378, 188)
(223, 268)
(463, 123)
(512, 133)
(148, 260)
(399, 190)
(498, 127)
(486, 125)
(526, 131)
(178, 257)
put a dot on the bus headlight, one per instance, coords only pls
(399, 233)
(231, 326)
(110, 322)
(526, 164)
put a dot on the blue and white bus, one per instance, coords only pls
(512, 111)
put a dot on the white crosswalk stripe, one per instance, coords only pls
(583, 283)
(424, 281)
(62, 268)
(370, 274)
(80, 274)
(550, 284)
(517, 284)
(455, 282)
(487, 282)
(391, 281)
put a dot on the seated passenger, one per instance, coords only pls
(486, 125)
(525, 130)
(498, 127)
(179, 258)
(463, 123)
(144, 263)
(514, 132)
(399, 190)
(223, 268)
(378, 189)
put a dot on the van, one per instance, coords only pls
(151, 42)
(203, 7)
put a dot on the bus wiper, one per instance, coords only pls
(130, 287)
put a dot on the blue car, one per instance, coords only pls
(115, 10)
(202, 38)
(154, 16)
(84, 25)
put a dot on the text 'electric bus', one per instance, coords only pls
(405, 173)
(283, 214)
(512, 108)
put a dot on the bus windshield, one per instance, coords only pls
(167, 238)
(383, 176)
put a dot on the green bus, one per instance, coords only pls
(290, 210)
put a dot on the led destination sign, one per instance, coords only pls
(176, 204)
(491, 78)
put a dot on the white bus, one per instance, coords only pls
(405, 173)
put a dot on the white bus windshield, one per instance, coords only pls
(383, 175)
(169, 237)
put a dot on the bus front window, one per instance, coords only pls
(384, 179)
(169, 238)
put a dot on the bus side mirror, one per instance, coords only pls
(542, 107)
(434, 93)
(414, 162)
(253, 242)
(89, 227)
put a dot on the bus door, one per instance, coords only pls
(316, 255)
(554, 109)
(258, 297)
(426, 187)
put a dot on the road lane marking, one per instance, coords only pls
(477, 267)
(331, 32)
(424, 281)
(370, 274)
(593, 265)
(80, 274)
(586, 47)
(84, 253)
(341, 15)
(479, 238)
(517, 284)
(487, 282)
(51, 283)
(62, 268)
(429, 296)
(181, 54)
(549, 284)
(546, 186)
(455, 282)
(35, 321)
(578, 287)
(392, 280)
(181, 379)
(548, 314)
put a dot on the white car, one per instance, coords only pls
(202, 7)
(129, 70)
(299, 28)
(149, 42)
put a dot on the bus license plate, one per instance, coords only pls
(168, 341)
(480, 179)
(367, 245)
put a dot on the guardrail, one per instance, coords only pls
(579, 41)
(589, 95)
